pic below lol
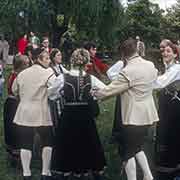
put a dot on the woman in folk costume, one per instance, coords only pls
(56, 104)
(167, 142)
(20, 62)
(33, 86)
(56, 62)
(78, 149)
(135, 84)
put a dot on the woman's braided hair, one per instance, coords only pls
(80, 57)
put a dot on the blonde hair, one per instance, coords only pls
(80, 57)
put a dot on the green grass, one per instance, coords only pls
(104, 124)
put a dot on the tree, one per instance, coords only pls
(171, 22)
(58, 16)
(144, 19)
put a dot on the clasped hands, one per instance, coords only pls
(96, 93)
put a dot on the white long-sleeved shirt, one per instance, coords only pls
(114, 70)
(95, 82)
(57, 69)
(171, 74)
(56, 84)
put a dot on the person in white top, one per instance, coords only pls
(135, 84)
(56, 105)
(33, 86)
(56, 62)
(168, 128)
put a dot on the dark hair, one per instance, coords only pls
(53, 53)
(19, 62)
(128, 48)
(37, 53)
(89, 45)
(44, 38)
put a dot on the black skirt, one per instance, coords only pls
(10, 107)
(167, 146)
(131, 140)
(77, 144)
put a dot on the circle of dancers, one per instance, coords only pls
(51, 110)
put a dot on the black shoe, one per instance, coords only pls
(26, 177)
(44, 177)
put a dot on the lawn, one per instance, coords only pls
(104, 124)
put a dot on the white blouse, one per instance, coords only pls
(95, 82)
(57, 69)
(171, 74)
(114, 70)
(55, 84)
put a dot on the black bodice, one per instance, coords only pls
(170, 93)
(77, 89)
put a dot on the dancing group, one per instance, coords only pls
(61, 106)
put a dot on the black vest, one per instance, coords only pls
(76, 89)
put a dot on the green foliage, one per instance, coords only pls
(106, 22)
(171, 22)
(87, 17)
(144, 20)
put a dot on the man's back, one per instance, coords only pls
(137, 101)
(141, 74)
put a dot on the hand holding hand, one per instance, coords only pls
(97, 93)
(94, 90)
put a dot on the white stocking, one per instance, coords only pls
(26, 156)
(130, 169)
(46, 160)
(142, 160)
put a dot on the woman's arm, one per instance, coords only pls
(54, 85)
(65, 71)
(96, 83)
(167, 78)
(114, 70)
(114, 88)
